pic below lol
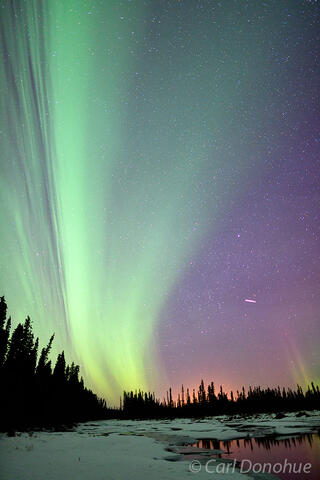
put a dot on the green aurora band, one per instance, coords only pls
(127, 135)
(98, 228)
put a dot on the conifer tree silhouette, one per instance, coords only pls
(33, 394)
(5, 327)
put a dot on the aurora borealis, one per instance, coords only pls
(159, 167)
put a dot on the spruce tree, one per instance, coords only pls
(4, 331)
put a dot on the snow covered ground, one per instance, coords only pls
(136, 450)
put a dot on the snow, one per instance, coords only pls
(119, 450)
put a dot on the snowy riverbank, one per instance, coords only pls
(135, 450)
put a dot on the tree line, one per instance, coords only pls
(207, 402)
(33, 391)
(36, 393)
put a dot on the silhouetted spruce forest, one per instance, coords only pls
(206, 402)
(33, 392)
(36, 394)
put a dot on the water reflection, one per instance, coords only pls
(264, 442)
(300, 449)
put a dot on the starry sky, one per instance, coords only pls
(159, 168)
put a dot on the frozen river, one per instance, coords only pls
(219, 448)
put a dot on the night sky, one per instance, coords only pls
(159, 168)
